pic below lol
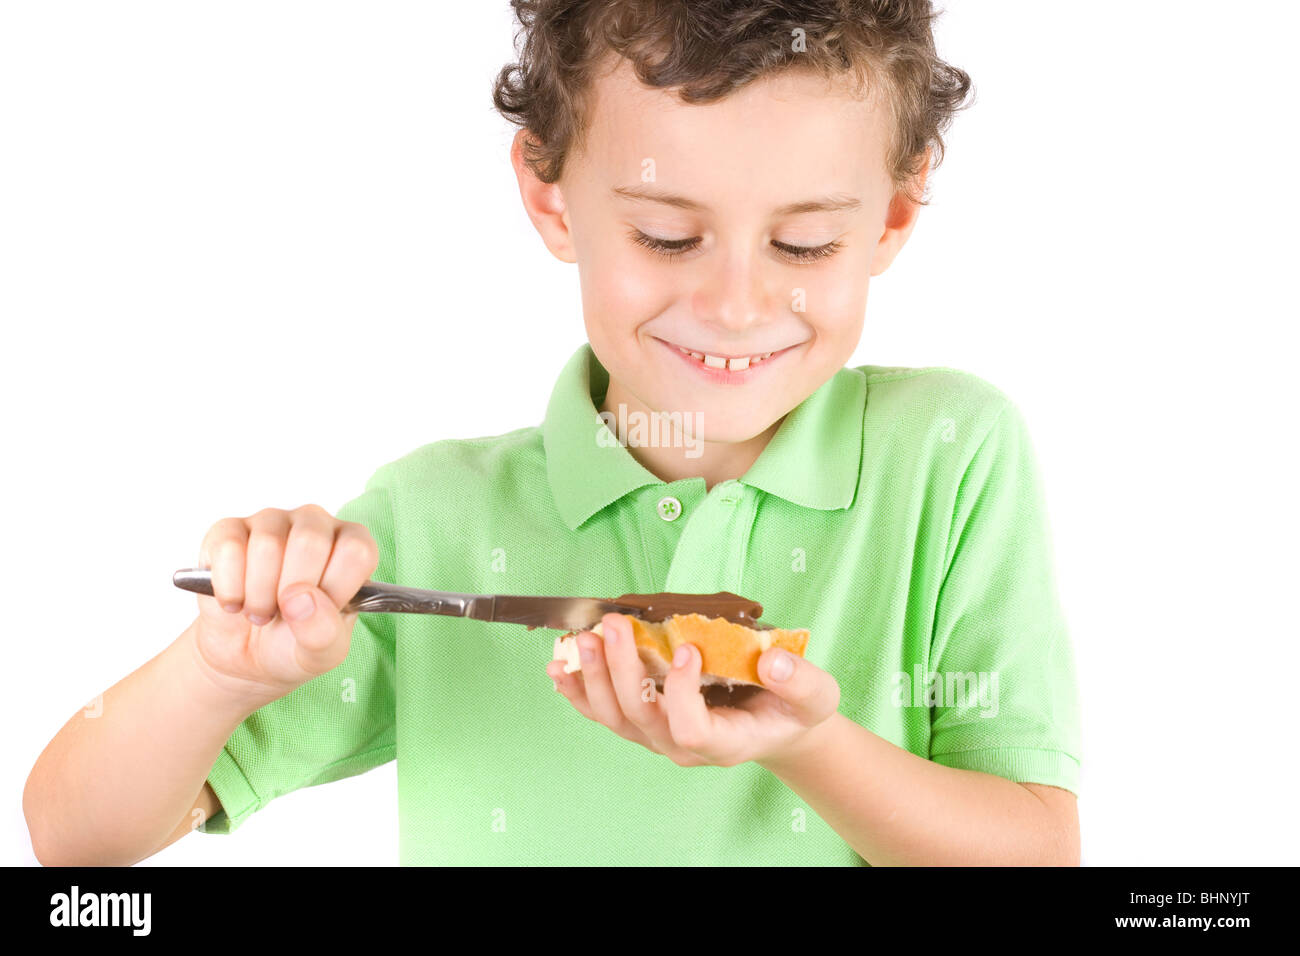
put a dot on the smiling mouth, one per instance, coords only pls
(731, 363)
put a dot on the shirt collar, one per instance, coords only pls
(586, 474)
(815, 457)
(813, 460)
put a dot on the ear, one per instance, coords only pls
(900, 218)
(544, 204)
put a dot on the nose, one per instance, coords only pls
(732, 295)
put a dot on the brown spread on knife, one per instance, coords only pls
(723, 604)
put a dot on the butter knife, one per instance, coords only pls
(557, 613)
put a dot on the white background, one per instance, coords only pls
(251, 251)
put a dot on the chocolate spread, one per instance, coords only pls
(724, 604)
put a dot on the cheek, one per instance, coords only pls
(836, 300)
(621, 287)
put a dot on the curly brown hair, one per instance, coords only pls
(705, 49)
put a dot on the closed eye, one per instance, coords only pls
(808, 253)
(668, 248)
(672, 248)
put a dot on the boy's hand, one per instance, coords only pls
(678, 723)
(255, 636)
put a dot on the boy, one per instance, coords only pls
(726, 176)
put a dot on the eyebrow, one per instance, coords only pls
(831, 203)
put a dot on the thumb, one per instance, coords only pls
(808, 692)
(320, 633)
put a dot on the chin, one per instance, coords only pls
(731, 429)
(737, 433)
(733, 417)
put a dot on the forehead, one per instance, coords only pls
(789, 132)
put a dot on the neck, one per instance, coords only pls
(675, 455)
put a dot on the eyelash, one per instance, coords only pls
(672, 248)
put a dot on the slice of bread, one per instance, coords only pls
(730, 651)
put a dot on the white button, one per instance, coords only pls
(670, 508)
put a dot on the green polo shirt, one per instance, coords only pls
(896, 514)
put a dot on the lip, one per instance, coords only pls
(724, 376)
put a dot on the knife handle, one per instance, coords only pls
(373, 597)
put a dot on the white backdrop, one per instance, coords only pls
(250, 251)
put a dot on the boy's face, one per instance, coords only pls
(770, 210)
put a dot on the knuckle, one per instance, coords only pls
(313, 538)
(354, 529)
(223, 527)
(264, 544)
(221, 535)
(358, 548)
(268, 518)
(225, 548)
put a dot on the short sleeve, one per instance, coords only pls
(336, 725)
(1005, 696)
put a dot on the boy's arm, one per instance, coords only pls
(1064, 808)
(206, 806)
(895, 808)
(117, 784)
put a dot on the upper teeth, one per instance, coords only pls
(717, 361)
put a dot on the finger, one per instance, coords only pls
(807, 692)
(352, 561)
(222, 552)
(627, 676)
(595, 676)
(688, 715)
(321, 642)
(307, 550)
(571, 686)
(267, 531)
(574, 688)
